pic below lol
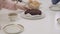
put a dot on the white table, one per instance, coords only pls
(43, 26)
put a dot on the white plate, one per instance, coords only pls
(13, 28)
(58, 20)
(35, 17)
(55, 8)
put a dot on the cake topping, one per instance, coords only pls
(34, 4)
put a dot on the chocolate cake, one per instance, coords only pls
(20, 0)
(33, 11)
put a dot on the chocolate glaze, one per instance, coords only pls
(20, 0)
(33, 11)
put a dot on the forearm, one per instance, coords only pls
(12, 6)
(1, 3)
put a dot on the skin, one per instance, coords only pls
(9, 4)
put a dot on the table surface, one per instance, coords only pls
(42, 26)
